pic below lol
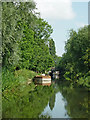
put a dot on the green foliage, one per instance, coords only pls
(75, 62)
(42, 31)
(9, 34)
(25, 37)
(57, 60)
(76, 47)
(67, 76)
(52, 47)
(85, 81)
(12, 13)
(34, 51)
(53, 51)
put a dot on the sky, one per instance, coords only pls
(63, 15)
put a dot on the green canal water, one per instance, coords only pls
(60, 100)
(67, 102)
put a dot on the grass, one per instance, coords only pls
(26, 74)
(15, 79)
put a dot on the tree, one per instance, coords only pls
(34, 55)
(42, 31)
(25, 37)
(12, 13)
(75, 61)
(76, 47)
(52, 47)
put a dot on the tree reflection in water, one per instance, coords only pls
(52, 101)
(77, 101)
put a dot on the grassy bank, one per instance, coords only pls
(22, 100)
(13, 80)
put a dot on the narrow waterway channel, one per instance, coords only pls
(67, 102)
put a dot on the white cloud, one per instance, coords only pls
(55, 9)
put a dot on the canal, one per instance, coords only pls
(67, 102)
(60, 100)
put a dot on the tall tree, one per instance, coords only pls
(52, 47)
(34, 51)
(12, 13)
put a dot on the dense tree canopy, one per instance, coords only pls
(74, 64)
(25, 37)
(34, 54)
(12, 13)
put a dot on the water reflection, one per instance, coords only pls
(68, 102)
(77, 101)
(52, 101)
(58, 110)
